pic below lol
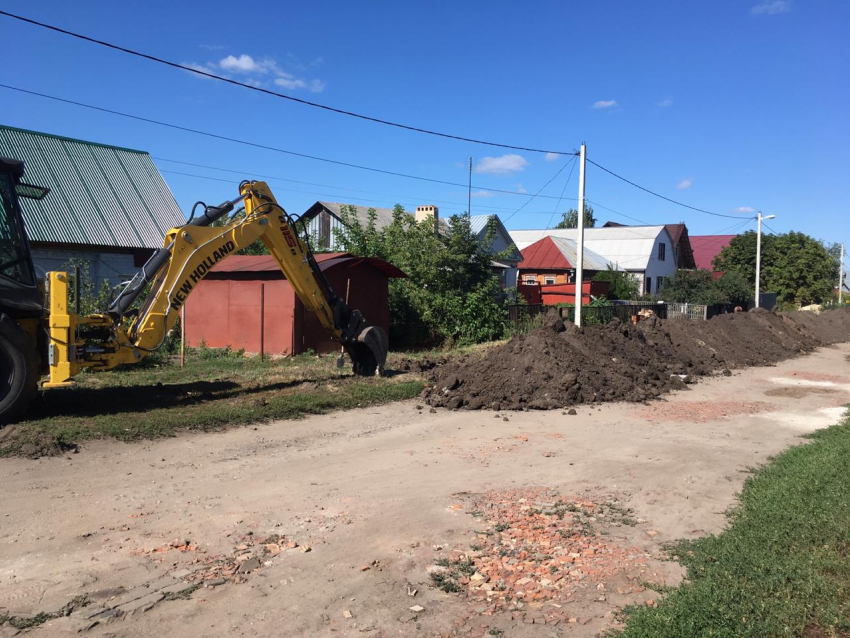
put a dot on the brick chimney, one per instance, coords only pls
(426, 212)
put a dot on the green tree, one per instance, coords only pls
(450, 294)
(797, 267)
(700, 287)
(621, 284)
(570, 218)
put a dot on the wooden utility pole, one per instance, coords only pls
(841, 277)
(580, 239)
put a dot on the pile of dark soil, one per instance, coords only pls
(558, 365)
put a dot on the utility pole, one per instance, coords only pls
(580, 239)
(841, 277)
(758, 255)
(469, 192)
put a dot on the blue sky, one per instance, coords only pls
(728, 106)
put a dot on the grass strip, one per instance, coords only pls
(158, 405)
(782, 566)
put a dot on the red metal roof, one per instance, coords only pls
(267, 263)
(707, 247)
(544, 254)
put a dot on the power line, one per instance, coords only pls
(560, 170)
(769, 228)
(244, 173)
(563, 190)
(263, 146)
(672, 201)
(616, 212)
(283, 96)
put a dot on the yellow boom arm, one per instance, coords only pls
(189, 253)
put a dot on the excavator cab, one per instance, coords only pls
(21, 300)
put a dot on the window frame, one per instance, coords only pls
(662, 251)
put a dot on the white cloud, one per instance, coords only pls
(243, 64)
(604, 104)
(520, 188)
(666, 102)
(483, 194)
(259, 70)
(771, 7)
(745, 209)
(685, 183)
(552, 157)
(504, 165)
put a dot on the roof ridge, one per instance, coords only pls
(72, 139)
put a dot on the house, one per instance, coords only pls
(108, 206)
(644, 251)
(324, 220)
(506, 267)
(551, 261)
(225, 307)
(707, 247)
(683, 254)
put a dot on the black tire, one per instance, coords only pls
(18, 371)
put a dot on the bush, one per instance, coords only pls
(621, 284)
(700, 287)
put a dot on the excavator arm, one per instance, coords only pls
(120, 336)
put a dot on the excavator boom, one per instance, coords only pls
(173, 272)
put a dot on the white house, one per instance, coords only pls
(645, 251)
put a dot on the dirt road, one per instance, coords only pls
(329, 526)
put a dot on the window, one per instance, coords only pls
(662, 251)
(530, 280)
(659, 283)
(549, 281)
(14, 257)
(649, 285)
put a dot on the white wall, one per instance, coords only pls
(656, 268)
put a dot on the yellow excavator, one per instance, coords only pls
(40, 335)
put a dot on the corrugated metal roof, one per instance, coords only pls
(707, 247)
(99, 195)
(383, 216)
(559, 253)
(267, 263)
(628, 247)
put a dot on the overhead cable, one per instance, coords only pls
(259, 89)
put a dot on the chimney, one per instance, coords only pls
(426, 212)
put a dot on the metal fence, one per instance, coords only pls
(686, 311)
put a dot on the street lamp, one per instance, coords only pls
(758, 254)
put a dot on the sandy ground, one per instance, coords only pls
(389, 488)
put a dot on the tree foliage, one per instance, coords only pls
(450, 294)
(700, 287)
(621, 284)
(570, 218)
(797, 267)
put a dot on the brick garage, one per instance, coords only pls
(224, 309)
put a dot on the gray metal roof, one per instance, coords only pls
(383, 216)
(99, 195)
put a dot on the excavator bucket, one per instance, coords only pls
(368, 351)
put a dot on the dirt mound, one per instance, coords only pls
(558, 365)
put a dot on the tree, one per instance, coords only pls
(700, 287)
(798, 268)
(450, 293)
(621, 284)
(570, 219)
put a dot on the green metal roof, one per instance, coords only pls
(99, 194)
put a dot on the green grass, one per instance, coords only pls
(210, 393)
(782, 566)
